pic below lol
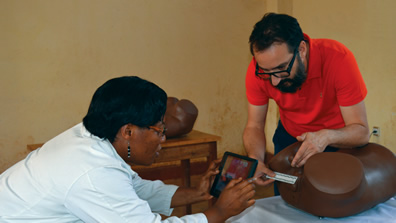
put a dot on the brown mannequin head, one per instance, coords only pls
(180, 117)
(338, 184)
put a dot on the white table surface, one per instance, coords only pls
(275, 209)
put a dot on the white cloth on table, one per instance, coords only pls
(275, 209)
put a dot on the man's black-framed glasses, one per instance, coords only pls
(279, 74)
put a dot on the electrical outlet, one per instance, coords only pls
(376, 131)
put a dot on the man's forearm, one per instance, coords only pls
(350, 136)
(254, 142)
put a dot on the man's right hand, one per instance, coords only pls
(260, 174)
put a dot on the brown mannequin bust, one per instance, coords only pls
(338, 184)
(180, 117)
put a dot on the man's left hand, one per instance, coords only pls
(312, 143)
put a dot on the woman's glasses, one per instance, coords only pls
(160, 131)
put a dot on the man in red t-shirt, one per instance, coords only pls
(316, 84)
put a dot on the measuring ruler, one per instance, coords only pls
(286, 178)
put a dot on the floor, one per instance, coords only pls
(261, 192)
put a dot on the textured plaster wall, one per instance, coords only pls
(54, 54)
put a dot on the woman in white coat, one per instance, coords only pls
(82, 174)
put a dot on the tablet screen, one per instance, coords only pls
(232, 166)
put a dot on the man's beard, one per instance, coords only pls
(289, 85)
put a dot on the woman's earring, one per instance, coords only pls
(129, 151)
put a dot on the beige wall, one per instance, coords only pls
(54, 54)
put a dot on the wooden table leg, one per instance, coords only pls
(212, 156)
(185, 164)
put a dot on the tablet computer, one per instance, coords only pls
(232, 166)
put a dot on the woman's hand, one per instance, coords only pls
(236, 197)
(185, 195)
(207, 180)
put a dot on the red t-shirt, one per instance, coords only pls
(333, 80)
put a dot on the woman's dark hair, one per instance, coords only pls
(124, 100)
(274, 27)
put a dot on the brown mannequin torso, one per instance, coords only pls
(338, 184)
(180, 117)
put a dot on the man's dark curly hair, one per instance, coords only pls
(275, 28)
